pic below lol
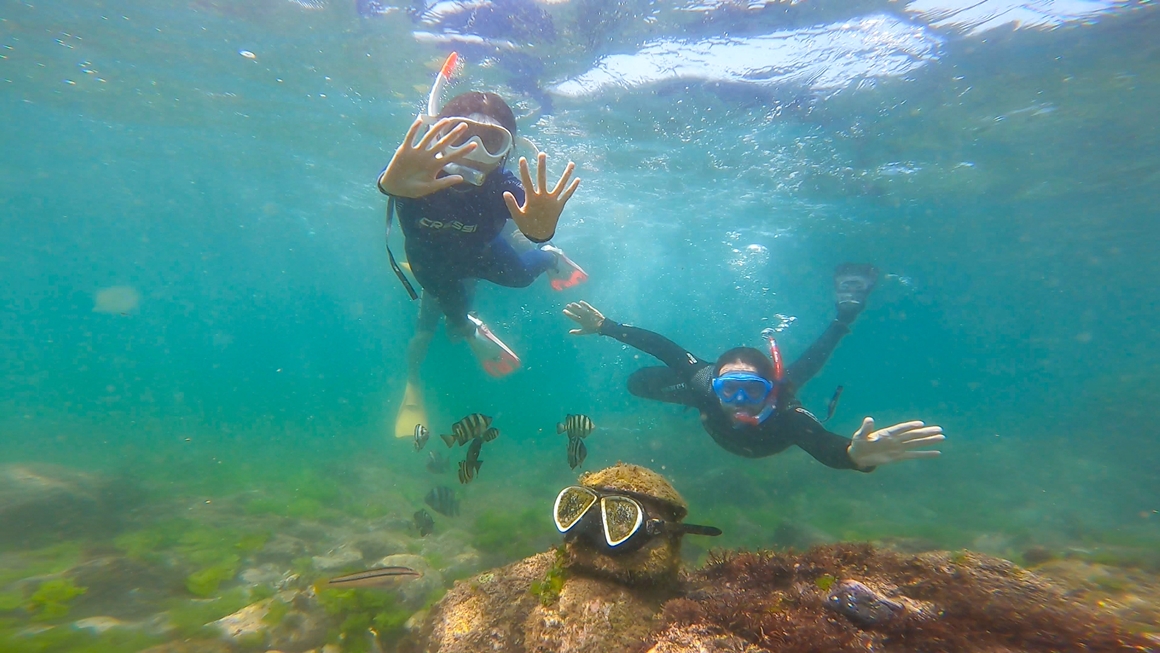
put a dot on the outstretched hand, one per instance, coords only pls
(414, 169)
(541, 211)
(870, 448)
(582, 313)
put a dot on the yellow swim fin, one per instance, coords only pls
(411, 412)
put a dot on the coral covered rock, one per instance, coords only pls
(510, 610)
(638, 480)
(656, 563)
(943, 602)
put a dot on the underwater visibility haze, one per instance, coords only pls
(204, 348)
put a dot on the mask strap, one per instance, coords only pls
(391, 257)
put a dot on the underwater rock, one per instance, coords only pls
(245, 624)
(300, 626)
(463, 565)
(1131, 594)
(99, 625)
(343, 556)
(43, 502)
(962, 602)
(592, 615)
(380, 544)
(121, 587)
(282, 548)
(266, 575)
(684, 639)
(291, 621)
(414, 591)
(862, 605)
(498, 611)
(657, 562)
(190, 646)
(486, 612)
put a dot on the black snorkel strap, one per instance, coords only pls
(696, 529)
(391, 257)
(658, 526)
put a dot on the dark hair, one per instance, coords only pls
(489, 104)
(749, 356)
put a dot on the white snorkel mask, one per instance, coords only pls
(492, 141)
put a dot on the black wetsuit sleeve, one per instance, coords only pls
(666, 351)
(825, 446)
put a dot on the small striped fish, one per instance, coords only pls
(576, 426)
(467, 428)
(577, 452)
(421, 435)
(469, 467)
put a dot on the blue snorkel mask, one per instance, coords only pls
(749, 389)
(742, 388)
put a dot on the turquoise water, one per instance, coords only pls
(1004, 182)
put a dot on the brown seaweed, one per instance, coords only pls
(952, 603)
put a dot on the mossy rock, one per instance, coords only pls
(624, 477)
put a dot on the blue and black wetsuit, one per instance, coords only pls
(455, 236)
(686, 380)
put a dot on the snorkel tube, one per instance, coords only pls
(441, 80)
(771, 400)
(469, 174)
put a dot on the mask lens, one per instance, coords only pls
(496, 140)
(492, 139)
(571, 504)
(735, 390)
(622, 518)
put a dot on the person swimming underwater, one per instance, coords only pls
(454, 198)
(748, 406)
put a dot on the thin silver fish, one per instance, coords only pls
(833, 404)
(577, 452)
(576, 426)
(374, 577)
(421, 436)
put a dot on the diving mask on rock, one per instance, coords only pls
(622, 523)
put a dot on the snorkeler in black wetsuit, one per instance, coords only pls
(748, 406)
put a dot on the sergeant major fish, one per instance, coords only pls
(436, 462)
(469, 467)
(577, 452)
(467, 428)
(442, 500)
(576, 426)
(421, 436)
(424, 523)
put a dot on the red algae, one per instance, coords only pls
(950, 602)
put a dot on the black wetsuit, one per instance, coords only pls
(455, 236)
(686, 379)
